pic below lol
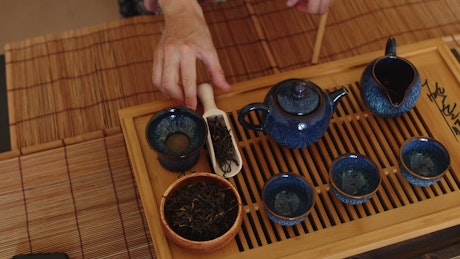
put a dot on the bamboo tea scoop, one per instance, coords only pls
(223, 149)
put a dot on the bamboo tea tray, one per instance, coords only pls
(397, 212)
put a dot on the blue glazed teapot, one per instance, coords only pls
(390, 85)
(295, 112)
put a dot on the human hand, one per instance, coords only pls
(311, 6)
(185, 38)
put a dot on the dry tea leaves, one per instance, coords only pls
(222, 143)
(201, 211)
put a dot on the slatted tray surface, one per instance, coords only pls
(397, 212)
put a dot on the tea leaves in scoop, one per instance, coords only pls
(222, 143)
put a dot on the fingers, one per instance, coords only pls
(214, 67)
(311, 6)
(174, 72)
(150, 5)
(324, 6)
(171, 59)
(166, 71)
(291, 3)
(157, 70)
(188, 69)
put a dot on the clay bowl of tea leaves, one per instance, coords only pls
(201, 212)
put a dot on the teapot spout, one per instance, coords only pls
(337, 95)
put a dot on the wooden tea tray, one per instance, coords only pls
(397, 212)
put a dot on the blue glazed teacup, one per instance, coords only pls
(288, 198)
(423, 161)
(177, 135)
(354, 178)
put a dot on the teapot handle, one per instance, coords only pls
(253, 107)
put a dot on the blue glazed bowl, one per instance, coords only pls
(288, 198)
(423, 161)
(177, 135)
(354, 178)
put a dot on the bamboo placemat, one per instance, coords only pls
(79, 198)
(73, 83)
(353, 27)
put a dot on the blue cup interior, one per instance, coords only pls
(355, 175)
(288, 195)
(425, 157)
(176, 132)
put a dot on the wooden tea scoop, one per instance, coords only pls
(223, 149)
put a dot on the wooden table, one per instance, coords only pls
(398, 212)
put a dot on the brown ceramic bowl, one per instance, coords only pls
(215, 233)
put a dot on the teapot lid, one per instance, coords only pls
(298, 97)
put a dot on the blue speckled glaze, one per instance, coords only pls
(416, 180)
(423, 161)
(354, 178)
(376, 100)
(390, 86)
(349, 200)
(286, 127)
(176, 120)
(277, 197)
(297, 131)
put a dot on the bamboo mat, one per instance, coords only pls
(79, 198)
(73, 83)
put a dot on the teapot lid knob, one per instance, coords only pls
(298, 97)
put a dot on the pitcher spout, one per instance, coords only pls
(337, 95)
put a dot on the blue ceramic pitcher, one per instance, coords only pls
(295, 112)
(390, 85)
